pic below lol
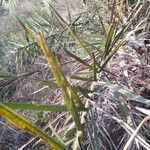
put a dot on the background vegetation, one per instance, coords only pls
(75, 74)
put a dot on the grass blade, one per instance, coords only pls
(36, 107)
(68, 93)
(26, 125)
(78, 59)
(94, 68)
(110, 34)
